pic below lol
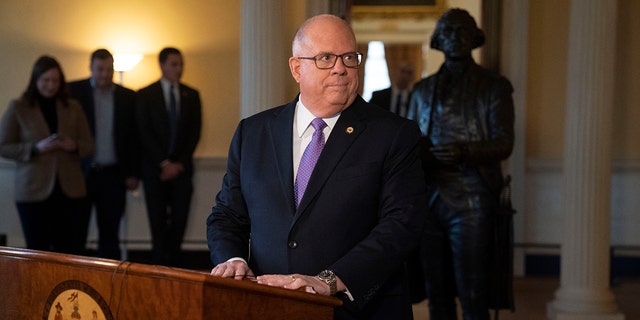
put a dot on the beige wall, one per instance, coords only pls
(626, 113)
(207, 32)
(547, 80)
(548, 31)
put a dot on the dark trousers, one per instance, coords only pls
(456, 253)
(51, 224)
(168, 204)
(106, 191)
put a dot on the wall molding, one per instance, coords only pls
(555, 165)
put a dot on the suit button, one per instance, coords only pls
(293, 244)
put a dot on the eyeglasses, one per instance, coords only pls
(328, 60)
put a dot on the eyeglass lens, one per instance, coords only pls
(326, 61)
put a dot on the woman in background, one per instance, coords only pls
(46, 134)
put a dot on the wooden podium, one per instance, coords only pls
(46, 285)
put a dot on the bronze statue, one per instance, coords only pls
(466, 116)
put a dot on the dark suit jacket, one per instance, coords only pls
(153, 125)
(124, 123)
(361, 214)
(383, 99)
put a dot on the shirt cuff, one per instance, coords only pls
(238, 259)
(349, 295)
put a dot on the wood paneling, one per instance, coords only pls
(139, 291)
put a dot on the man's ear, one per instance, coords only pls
(294, 65)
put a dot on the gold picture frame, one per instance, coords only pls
(391, 9)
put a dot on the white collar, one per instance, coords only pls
(304, 117)
(166, 84)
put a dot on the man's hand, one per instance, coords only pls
(236, 269)
(170, 170)
(132, 183)
(296, 281)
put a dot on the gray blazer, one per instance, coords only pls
(22, 126)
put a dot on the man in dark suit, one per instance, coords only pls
(396, 98)
(113, 168)
(169, 121)
(348, 233)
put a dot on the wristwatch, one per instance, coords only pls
(329, 277)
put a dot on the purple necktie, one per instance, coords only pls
(309, 159)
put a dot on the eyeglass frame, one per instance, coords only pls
(335, 60)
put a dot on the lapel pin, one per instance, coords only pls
(349, 130)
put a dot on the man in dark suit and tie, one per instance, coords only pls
(343, 227)
(169, 121)
(113, 168)
(396, 98)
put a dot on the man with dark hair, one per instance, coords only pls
(465, 113)
(169, 121)
(113, 168)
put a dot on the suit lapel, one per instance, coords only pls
(158, 98)
(281, 134)
(157, 105)
(349, 126)
(88, 104)
(185, 103)
(186, 107)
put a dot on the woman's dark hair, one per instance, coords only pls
(42, 65)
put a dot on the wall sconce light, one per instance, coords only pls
(124, 62)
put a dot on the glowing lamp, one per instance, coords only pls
(124, 62)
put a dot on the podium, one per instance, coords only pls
(46, 285)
